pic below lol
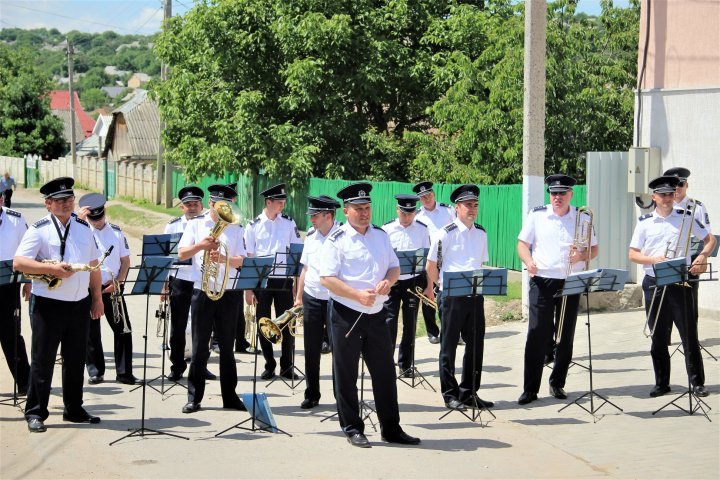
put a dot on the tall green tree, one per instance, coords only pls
(26, 123)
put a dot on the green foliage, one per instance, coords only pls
(93, 98)
(26, 123)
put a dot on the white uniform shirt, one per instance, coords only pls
(414, 237)
(361, 261)
(654, 235)
(442, 215)
(463, 249)
(179, 225)
(550, 238)
(314, 240)
(265, 237)
(701, 213)
(111, 235)
(41, 242)
(12, 229)
(198, 228)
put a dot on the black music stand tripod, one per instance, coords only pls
(291, 270)
(412, 262)
(601, 280)
(485, 281)
(253, 275)
(10, 277)
(675, 272)
(152, 275)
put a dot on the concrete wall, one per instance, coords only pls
(15, 167)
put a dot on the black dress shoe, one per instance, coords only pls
(81, 417)
(209, 375)
(480, 402)
(95, 379)
(659, 391)
(527, 397)
(175, 376)
(407, 373)
(191, 407)
(268, 374)
(126, 379)
(455, 404)
(22, 391)
(325, 348)
(290, 375)
(36, 425)
(558, 393)
(308, 404)
(239, 405)
(401, 438)
(433, 339)
(359, 440)
(700, 391)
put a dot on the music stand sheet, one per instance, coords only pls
(412, 261)
(293, 259)
(253, 274)
(163, 245)
(263, 414)
(152, 275)
(611, 280)
(670, 271)
(490, 281)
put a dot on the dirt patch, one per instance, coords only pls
(498, 313)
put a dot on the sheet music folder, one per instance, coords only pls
(485, 281)
(597, 280)
(670, 271)
(163, 245)
(252, 275)
(152, 275)
(412, 261)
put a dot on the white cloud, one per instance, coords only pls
(147, 21)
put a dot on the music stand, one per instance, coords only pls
(253, 275)
(151, 278)
(485, 281)
(412, 262)
(366, 410)
(163, 245)
(599, 280)
(8, 277)
(675, 272)
(292, 268)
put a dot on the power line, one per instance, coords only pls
(77, 20)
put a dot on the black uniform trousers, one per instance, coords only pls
(180, 297)
(428, 312)
(399, 296)
(7, 198)
(677, 307)
(370, 337)
(122, 343)
(458, 319)
(221, 314)
(315, 317)
(13, 343)
(54, 322)
(279, 293)
(544, 312)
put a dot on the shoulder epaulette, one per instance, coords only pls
(540, 208)
(680, 211)
(698, 202)
(645, 217)
(699, 223)
(480, 227)
(420, 223)
(202, 215)
(115, 227)
(337, 234)
(450, 227)
(255, 220)
(443, 204)
(378, 228)
(12, 212)
(42, 222)
(340, 224)
(174, 220)
(388, 223)
(82, 222)
(310, 232)
(286, 217)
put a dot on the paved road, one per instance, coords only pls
(536, 442)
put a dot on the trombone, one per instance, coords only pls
(671, 253)
(423, 298)
(582, 240)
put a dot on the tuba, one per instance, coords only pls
(228, 214)
(54, 282)
(272, 330)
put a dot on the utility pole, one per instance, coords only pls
(533, 116)
(163, 165)
(72, 101)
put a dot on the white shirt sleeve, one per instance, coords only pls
(188, 236)
(250, 240)
(330, 259)
(527, 234)
(30, 244)
(638, 237)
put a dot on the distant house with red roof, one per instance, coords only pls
(60, 106)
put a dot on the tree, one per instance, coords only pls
(26, 123)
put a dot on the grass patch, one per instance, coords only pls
(514, 292)
(141, 202)
(120, 214)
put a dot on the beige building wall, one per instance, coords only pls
(684, 44)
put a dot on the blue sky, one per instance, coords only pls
(122, 16)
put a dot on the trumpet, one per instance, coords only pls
(119, 309)
(670, 253)
(582, 239)
(423, 298)
(54, 282)
(272, 330)
(228, 214)
(251, 328)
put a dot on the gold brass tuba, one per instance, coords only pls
(272, 330)
(54, 282)
(582, 239)
(228, 214)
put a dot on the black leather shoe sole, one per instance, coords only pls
(558, 393)
(659, 391)
(81, 418)
(36, 425)
(526, 398)
(268, 375)
(403, 439)
(191, 407)
(174, 377)
(308, 404)
(359, 440)
(126, 380)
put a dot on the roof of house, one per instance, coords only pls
(60, 106)
(143, 77)
(141, 118)
(112, 92)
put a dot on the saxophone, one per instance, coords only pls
(54, 282)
